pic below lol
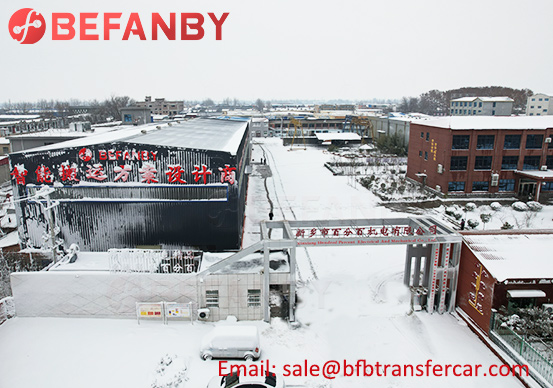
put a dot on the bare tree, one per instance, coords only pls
(259, 104)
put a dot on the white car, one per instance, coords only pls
(271, 380)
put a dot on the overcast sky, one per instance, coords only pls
(277, 50)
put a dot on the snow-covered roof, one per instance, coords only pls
(514, 256)
(484, 99)
(537, 174)
(207, 134)
(19, 117)
(337, 136)
(491, 122)
(9, 240)
(526, 294)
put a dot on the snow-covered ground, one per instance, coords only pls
(352, 305)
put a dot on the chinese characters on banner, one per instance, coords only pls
(384, 231)
(68, 173)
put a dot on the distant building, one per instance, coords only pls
(481, 106)
(539, 105)
(483, 155)
(13, 124)
(135, 115)
(260, 127)
(161, 107)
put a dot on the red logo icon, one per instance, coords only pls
(85, 154)
(27, 26)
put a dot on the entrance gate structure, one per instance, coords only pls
(431, 262)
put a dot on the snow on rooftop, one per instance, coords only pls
(491, 122)
(208, 134)
(514, 256)
(538, 174)
(9, 240)
(338, 136)
(486, 99)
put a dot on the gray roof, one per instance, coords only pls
(206, 134)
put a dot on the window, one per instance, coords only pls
(540, 99)
(212, 298)
(512, 142)
(427, 136)
(127, 118)
(485, 142)
(549, 162)
(422, 135)
(493, 112)
(548, 186)
(534, 142)
(531, 106)
(480, 186)
(458, 163)
(254, 298)
(483, 163)
(420, 154)
(494, 104)
(506, 185)
(509, 163)
(473, 112)
(480, 104)
(531, 163)
(425, 155)
(456, 186)
(533, 99)
(460, 142)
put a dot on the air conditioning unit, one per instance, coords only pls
(548, 140)
(440, 169)
(203, 314)
(543, 168)
(495, 179)
(547, 308)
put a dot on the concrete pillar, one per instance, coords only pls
(417, 271)
(292, 296)
(266, 281)
(407, 271)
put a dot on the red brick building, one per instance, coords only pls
(504, 268)
(461, 155)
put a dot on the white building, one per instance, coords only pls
(539, 105)
(481, 106)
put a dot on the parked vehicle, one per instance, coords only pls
(270, 380)
(231, 342)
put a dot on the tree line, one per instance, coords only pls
(436, 102)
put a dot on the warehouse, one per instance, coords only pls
(169, 186)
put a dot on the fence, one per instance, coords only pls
(530, 355)
(154, 261)
(7, 309)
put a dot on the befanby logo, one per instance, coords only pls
(27, 26)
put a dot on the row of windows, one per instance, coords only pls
(545, 99)
(486, 142)
(465, 112)
(504, 185)
(465, 103)
(212, 298)
(459, 163)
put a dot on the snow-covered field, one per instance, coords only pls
(352, 305)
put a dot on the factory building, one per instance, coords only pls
(168, 186)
